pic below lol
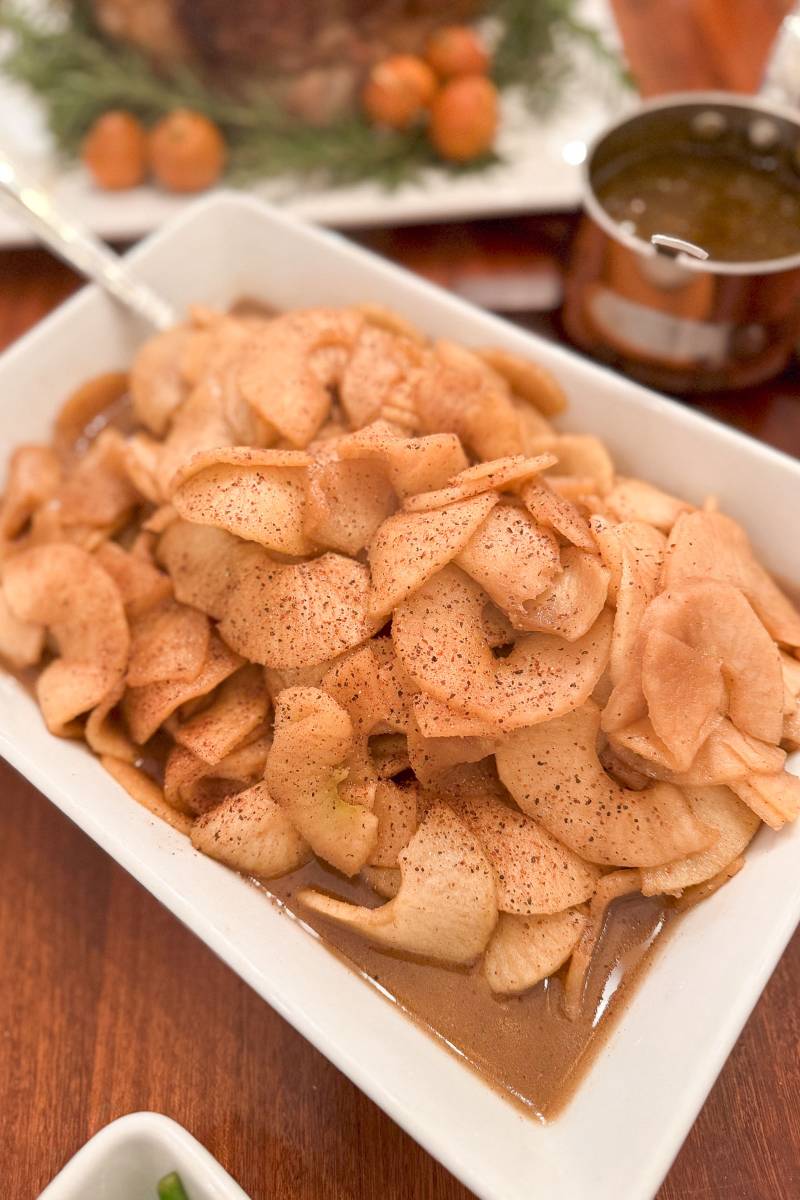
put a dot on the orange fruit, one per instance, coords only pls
(187, 151)
(457, 50)
(464, 117)
(398, 90)
(114, 151)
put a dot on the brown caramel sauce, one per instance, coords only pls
(523, 1046)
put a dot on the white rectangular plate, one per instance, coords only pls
(619, 1135)
(126, 1159)
(540, 172)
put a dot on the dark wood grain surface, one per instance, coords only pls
(108, 1005)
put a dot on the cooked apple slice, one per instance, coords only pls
(574, 600)
(157, 386)
(141, 584)
(345, 502)
(383, 880)
(145, 792)
(634, 554)
(685, 693)
(194, 785)
(498, 474)
(580, 455)
(98, 491)
(251, 833)
(34, 474)
(105, 732)
(709, 545)
(238, 710)
(438, 720)
(716, 619)
(411, 547)
(610, 888)
(736, 825)
(412, 465)
(446, 908)
(458, 393)
(205, 564)
(534, 873)
(168, 641)
(379, 364)
(774, 798)
(370, 684)
(300, 614)
(553, 772)
(276, 372)
(635, 500)
(396, 808)
(146, 708)
(513, 559)
(557, 513)
(258, 495)
(64, 589)
(21, 642)
(725, 755)
(525, 950)
(432, 757)
(313, 738)
(528, 379)
(440, 638)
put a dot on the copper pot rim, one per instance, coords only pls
(677, 100)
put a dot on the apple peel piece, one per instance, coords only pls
(446, 907)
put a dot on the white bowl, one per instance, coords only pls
(126, 1159)
(632, 1111)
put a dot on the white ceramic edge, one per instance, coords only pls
(727, 1028)
(75, 1179)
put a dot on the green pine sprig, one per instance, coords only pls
(78, 74)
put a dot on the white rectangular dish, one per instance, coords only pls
(126, 1159)
(620, 1133)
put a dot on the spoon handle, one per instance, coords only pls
(86, 253)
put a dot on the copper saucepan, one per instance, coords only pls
(672, 320)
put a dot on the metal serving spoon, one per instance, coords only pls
(86, 253)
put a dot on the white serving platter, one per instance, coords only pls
(619, 1135)
(126, 1159)
(541, 170)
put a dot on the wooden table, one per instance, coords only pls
(108, 1005)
